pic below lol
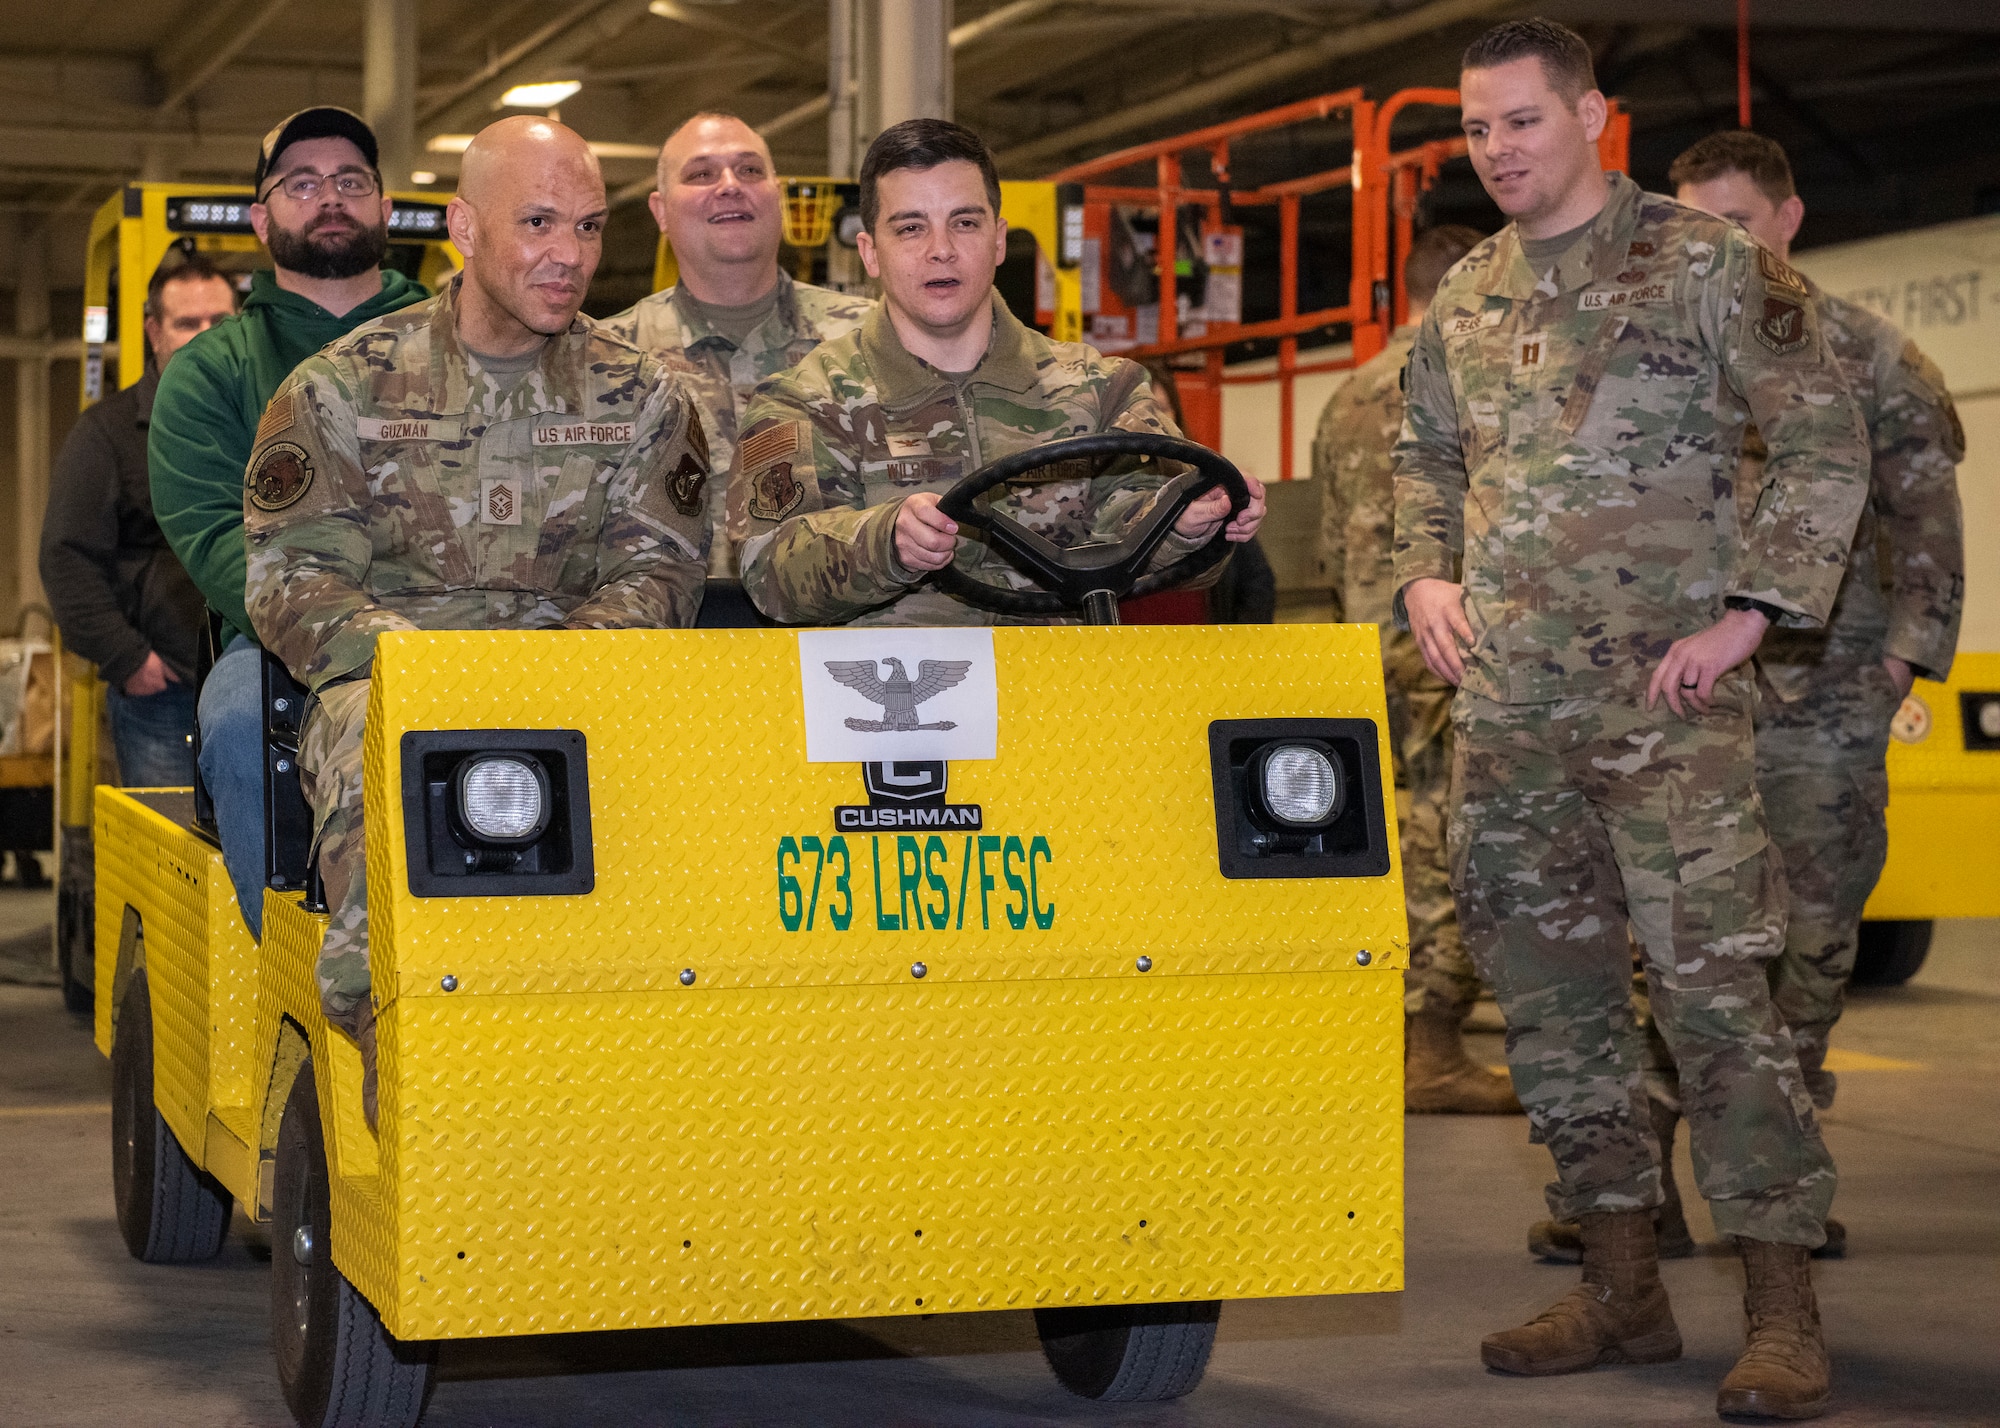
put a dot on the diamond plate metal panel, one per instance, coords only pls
(697, 768)
(201, 965)
(571, 1162)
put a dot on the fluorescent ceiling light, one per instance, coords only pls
(423, 176)
(449, 143)
(540, 96)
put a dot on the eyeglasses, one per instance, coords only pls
(304, 186)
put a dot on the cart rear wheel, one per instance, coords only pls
(338, 1366)
(1129, 1353)
(1890, 953)
(168, 1210)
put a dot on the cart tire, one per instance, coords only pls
(74, 935)
(1890, 953)
(168, 1210)
(338, 1366)
(1129, 1353)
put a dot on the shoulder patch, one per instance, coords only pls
(1778, 273)
(698, 437)
(1783, 326)
(775, 492)
(685, 485)
(283, 474)
(277, 418)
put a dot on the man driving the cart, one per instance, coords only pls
(842, 461)
(486, 460)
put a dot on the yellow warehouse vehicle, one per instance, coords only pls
(1093, 1006)
(1941, 285)
(130, 234)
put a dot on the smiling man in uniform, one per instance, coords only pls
(487, 460)
(733, 317)
(834, 498)
(1569, 552)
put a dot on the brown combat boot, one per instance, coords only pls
(1618, 1315)
(1439, 1076)
(1560, 1242)
(1784, 1371)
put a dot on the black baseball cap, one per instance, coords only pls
(322, 121)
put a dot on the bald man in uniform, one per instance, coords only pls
(486, 460)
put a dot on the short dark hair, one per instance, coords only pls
(1432, 254)
(1737, 151)
(924, 144)
(1565, 57)
(181, 266)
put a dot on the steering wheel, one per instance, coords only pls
(1094, 575)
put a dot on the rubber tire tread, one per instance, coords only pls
(172, 1213)
(1130, 1353)
(1890, 953)
(356, 1374)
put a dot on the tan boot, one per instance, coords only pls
(1618, 1315)
(1439, 1076)
(1560, 1242)
(1784, 1371)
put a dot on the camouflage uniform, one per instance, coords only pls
(1826, 701)
(1574, 437)
(1352, 459)
(720, 375)
(395, 486)
(830, 448)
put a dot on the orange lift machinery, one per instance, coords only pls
(1386, 183)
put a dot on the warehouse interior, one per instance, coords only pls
(1891, 118)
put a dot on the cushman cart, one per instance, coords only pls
(682, 1025)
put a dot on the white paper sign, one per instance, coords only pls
(873, 695)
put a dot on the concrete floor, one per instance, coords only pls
(88, 1336)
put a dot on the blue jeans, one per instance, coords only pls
(150, 732)
(232, 766)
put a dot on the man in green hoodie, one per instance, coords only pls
(323, 215)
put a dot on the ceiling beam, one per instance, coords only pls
(119, 151)
(1287, 64)
(201, 51)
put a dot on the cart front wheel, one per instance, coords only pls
(338, 1366)
(1129, 1353)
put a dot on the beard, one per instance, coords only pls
(329, 250)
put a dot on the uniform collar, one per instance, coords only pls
(903, 382)
(1598, 258)
(451, 372)
(783, 323)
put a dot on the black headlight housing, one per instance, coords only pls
(1298, 798)
(463, 841)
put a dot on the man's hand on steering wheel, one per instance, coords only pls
(926, 538)
(1198, 521)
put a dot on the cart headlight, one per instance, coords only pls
(497, 812)
(1299, 798)
(503, 799)
(1300, 786)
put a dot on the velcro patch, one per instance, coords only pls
(698, 439)
(1600, 299)
(499, 501)
(1641, 250)
(1466, 324)
(277, 419)
(1530, 351)
(909, 445)
(685, 486)
(393, 428)
(585, 433)
(775, 492)
(283, 473)
(1782, 328)
(1780, 274)
(773, 443)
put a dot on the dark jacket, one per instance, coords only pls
(211, 399)
(116, 589)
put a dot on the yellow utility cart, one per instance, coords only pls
(1105, 1023)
